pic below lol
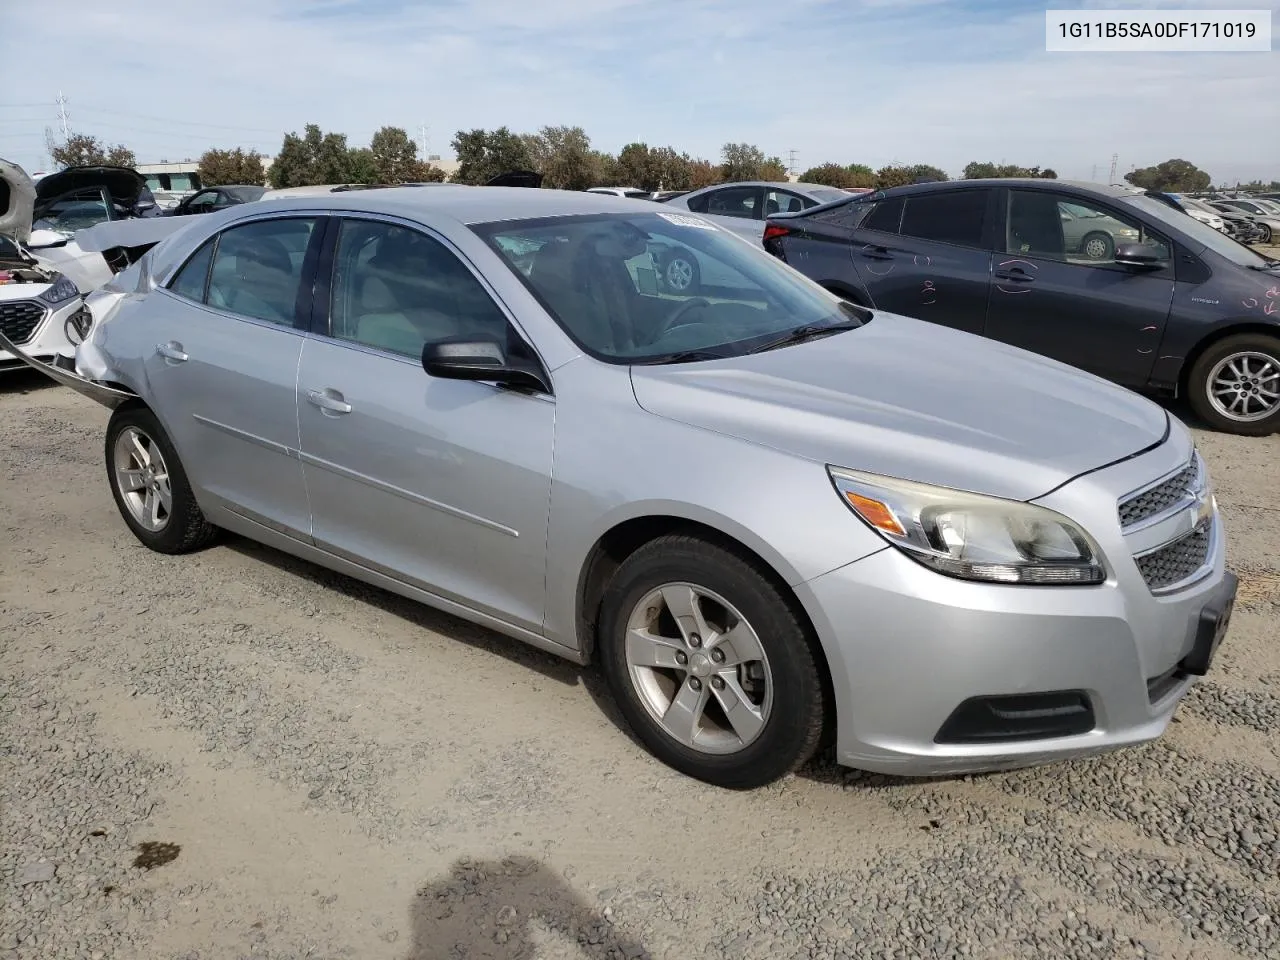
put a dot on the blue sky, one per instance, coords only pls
(870, 81)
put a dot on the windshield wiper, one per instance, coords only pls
(809, 331)
(680, 356)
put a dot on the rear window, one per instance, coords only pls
(957, 217)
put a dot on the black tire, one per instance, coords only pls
(1108, 245)
(680, 272)
(793, 729)
(185, 529)
(1198, 383)
(1266, 234)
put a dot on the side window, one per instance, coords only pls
(1054, 227)
(885, 216)
(190, 280)
(741, 202)
(397, 289)
(952, 216)
(257, 268)
(699, 204)
(784, 201)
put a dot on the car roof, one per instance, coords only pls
(465, 204)
(798, 186)
(1083, 187)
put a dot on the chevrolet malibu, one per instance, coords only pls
(775, 519)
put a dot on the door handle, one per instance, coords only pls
(171, 351)
(1017, 275)
(329, 399)
(876, 253)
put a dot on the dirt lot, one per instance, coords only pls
(306, 767)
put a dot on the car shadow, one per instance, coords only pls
(418, 614)
(493, 909)
(23, 380)
(822, 769)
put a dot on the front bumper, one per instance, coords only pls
(907, 647)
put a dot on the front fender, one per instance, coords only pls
(109, 397)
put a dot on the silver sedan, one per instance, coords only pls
(774, 519)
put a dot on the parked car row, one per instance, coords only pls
(775, 517)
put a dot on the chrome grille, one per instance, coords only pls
(1177, 560)
(19, 319)
(1156, 500)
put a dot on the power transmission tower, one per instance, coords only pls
(1115, 158)
(423, 130)
(62, 115)
(791, 162)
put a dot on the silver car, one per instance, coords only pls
(773, 518)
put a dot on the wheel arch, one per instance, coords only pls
(1217, 335)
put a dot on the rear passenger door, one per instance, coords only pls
(740, 209)
(441, 484)
(928, 255)
(224, 344)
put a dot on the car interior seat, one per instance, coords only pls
(253, 276)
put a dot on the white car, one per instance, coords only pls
(41, 310)
(631, 193)
(63, 237)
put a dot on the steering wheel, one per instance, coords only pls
(680, 311)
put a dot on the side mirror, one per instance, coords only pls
(480, 360)
(1138, 255)
(45, 239)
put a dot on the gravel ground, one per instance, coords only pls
(235, 755)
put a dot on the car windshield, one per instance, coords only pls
(661, 287)
(1270, 206)
(1215, 240)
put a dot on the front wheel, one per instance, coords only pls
(150, 486)
(709, 664)
(1234, 386)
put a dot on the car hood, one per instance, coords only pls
(124, 184)
(914, 400)
(17, 201)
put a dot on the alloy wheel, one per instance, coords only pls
(679, 274)
(1245, 386)
(698, 668)
(143, 479)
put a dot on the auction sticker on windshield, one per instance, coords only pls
(682, 221)
(1157, 31)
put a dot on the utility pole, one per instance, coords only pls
(1115, 158)
(62, 116)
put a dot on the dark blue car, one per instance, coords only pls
(1108, 279)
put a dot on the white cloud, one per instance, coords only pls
(847, 80)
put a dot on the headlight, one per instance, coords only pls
(969, 536)
(63, 289)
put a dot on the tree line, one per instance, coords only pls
(563, 155)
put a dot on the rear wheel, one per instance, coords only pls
(1266, 234)
(710, 665)
(1234, 385)
(150, 486)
